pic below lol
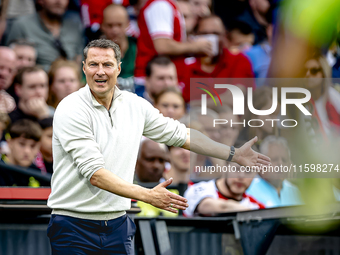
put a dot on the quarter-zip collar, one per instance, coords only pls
(117, 93)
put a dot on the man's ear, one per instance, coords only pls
(119, 67)
(83, 66)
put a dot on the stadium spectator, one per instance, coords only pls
(255, 16)
(26, 53)
(229, 132)
(180, 165)
(170, 103)
(114, 25)
(207, 127)
(31, 86)
(272, 188)
(160, 74)
(7, 73)
(201, 8)
(240, 37)
(223, 65)
(262, 100)
(54, 33)
(189, 16)
(325, 98)
(44, 159)
(162, 32)
(151, 160)
(260, 54)
(221, 195)
(92, 15)
(24, 143)
(63, 78)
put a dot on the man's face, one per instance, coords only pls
(188, 14)
(161, 78)
(23, 150)
(54, 7)
(115, 22)
(34, 85)
(46, 142)
(238, 182)
(101, 70)
(213, 26)
(279, 156)
(151, 164)
(26, 56)
(7, 68)
(180, 158)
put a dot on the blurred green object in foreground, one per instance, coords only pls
(314, 20)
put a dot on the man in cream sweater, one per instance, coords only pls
(96, 135)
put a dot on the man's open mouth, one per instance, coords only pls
(100, 81)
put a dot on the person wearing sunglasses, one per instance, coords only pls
(325, 99)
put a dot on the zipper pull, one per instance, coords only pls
(106, 223)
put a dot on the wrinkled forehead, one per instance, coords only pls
(101, 55)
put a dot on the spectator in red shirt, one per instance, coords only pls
(162, 32)
(223, 65)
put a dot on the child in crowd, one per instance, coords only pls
(24, 144)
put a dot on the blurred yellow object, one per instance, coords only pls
(151, 211)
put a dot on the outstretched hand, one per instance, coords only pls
(166, 200)
(246, 156)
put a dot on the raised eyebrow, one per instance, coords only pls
(111, 63)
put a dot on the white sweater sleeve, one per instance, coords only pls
(72, 129)
(163, 129)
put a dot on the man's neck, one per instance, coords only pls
(177, 175)
(106, 101)
(224, 189)
(316, 93)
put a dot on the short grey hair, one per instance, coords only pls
(272, 139)
(104, 44)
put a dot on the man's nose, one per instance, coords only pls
(100, 70)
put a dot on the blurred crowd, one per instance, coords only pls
(164, 45)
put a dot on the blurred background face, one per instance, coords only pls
(151, 162)
(115, 22)
(229, 134)
(8, 63)
(23, 151)
(46, 142)
(240, 42)
(201, 8)
(26, 56)
(161, 77)
(314, 74)
(208, 128)
(65, 82)
(54, 8)
(213, 26)
(34, 85)
(238, 182)
(180, 158)
(279, 156)
(188, 14)
(171, 105)
(261, 6)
